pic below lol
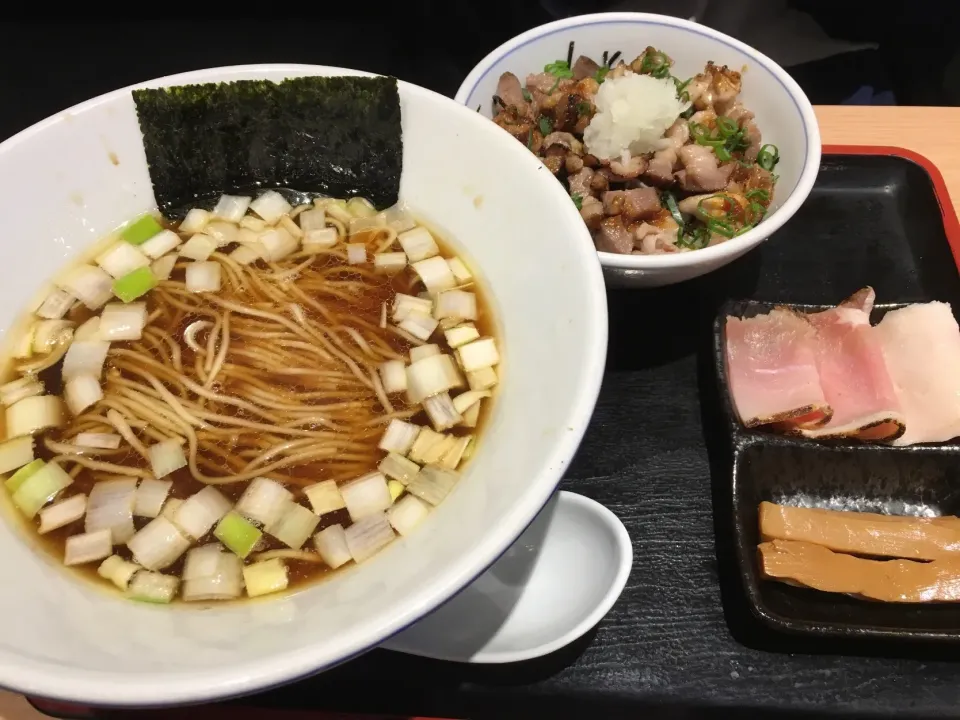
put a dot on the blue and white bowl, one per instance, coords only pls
(783, 113)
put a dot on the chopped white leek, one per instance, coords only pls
(163, 268)
(478, 355)
(366, 495)
(56, 304)
(109, 441)
(431, 375)
(33, 414)
(471, 416)
(223, 233)
(368, 536)
(429, 445)
(435, 274)
(313, 219)
(90, 285)
(223, 581)
(195, 221)
(153, 587)
(150, 496)
(247, 236)
(87, 547)
(270, 206)
(399, 436)
(396, 489)
(464, 401)
(200, 512)
(23, 346)
(320, 239)
(337, 209)
(399, 219)
(81, 392)
(123, 321)
(84, 357)
(158, 544)
(262, 578)
(457, 304)
(110, 507)
(199, 247)
(441, 411)
(203, 277)
(459, 270)
(202, 561)
(360, 207)
(62, 513)
(398, 467)
(122, 258)
(393, 375)
(40, 488)
(407, 513)
(231, 208)
(419, 325)
(170, 508)
(264, 500)
(251, 222)
(482, 379)
(278, 243)
(356, 253)
(403, 305)
(48, 334)
(89, 330)
(166, 457)
(331, 543)
(25, 387)
(248, 254)
(451, 459)
(418, 244)
(433, 484)
(419, 352)
(295, 526)
(324, 497)
(363, 224)
(389, 262)
(160, 244)
(118, 571)
(461, 335)
(291, 227)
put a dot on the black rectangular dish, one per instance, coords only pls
(682, 641)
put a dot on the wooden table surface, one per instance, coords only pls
(914, 128)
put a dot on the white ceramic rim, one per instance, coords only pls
(735, 246)
(625, 548)
(102, 689)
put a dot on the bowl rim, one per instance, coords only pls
(735, 246)
(51, 679)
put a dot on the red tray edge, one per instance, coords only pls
(951, 223)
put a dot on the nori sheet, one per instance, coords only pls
(332, 136)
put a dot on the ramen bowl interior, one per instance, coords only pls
(76, 176)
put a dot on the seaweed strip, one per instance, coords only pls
(333, 136)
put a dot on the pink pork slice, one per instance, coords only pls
(921, 347)
(853, 375)
(772, 368)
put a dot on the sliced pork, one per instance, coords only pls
(921, 347)
(863, 533)
(702, 171)
(636, 204)
(772, 368)
(614, 236)
(854, 377)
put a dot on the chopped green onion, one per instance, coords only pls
(134, 284)
(141, 230)
(768, 158)
(530, 139)
(577, 200)
(237, 533)
(40, 488)
(553, 87)
(559, 69)
(601, 74)
(546, 125)
(726, 126)
(14, 482)
(759, 193)
(583, 108)
(688, 113)
(693, 237)
(722, 153)
(671, 202)
(526, 95)
(655, 64)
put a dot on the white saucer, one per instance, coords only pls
(553, 585)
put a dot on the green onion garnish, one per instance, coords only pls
(577, 200)
(671, 204)
(601, 74)
(758, 193)
(726, 126)
(14, 482)
(655, 64)
(134, 284)
(530, 139)
(526, 95)
(141, 230)
(559, 69)
(237, 533)
(768, 158)
(693, 237)
(722, 153)
(583, 108)
(546, 125)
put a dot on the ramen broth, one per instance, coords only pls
(263, 365)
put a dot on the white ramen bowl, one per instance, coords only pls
(70, 179)
(784, 116)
